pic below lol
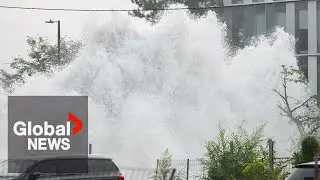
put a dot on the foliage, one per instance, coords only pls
(259, 170)
(310, 148)
(43, 59)
(304, 113)
(256, 170)
(228, 155)
(152, 10)
(239, 155)
(164, 168)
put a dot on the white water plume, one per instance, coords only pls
(169, 86)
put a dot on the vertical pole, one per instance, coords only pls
(157, 169)
(316, 169)
(90, 148)
(188, 162)
(271, 158)
(59, 55)
(173, 173)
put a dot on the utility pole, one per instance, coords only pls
(316, 169)
(90, 148)
(59, 37)
(271, 158)
(59, 52)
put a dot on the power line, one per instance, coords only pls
(103, 10)
(151, 9)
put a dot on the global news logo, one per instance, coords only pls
(47, 136)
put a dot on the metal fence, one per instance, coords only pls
(137, 173)
(188, 169)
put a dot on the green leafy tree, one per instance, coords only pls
(228, 155)
(304, 113)
(43, 59)
(259, 169)
(151, 9)
(164, 168)
(310, 148)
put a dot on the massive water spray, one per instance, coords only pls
(169, 86)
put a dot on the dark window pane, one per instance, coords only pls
(257, 1)
(260, 19)
(238, 26)
(102, 165)
(318, 24)
(276, 16)
(303, 64)
(237, 1)
(318, 74)
(227, 18)
(45, 167)
(301, 32)
(15, 166)
(71, 166)
(248, 22)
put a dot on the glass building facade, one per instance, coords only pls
(301, 18)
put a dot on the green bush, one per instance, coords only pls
(228, 155)
(310, 148)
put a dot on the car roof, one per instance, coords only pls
(311, 163)
(74, 156)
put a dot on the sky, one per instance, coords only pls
(16, 25)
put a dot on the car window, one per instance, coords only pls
(71, 166)
(45, 167)
(15, 166)
(102, 165)
(301, 174)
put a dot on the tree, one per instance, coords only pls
(310, 148)
(43, 59)
(151, 10)
(227, 155)
(164, 168)
(239, 155)
(259, 170)
(304, 113)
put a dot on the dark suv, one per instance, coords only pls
(303, 171)
(61, 167)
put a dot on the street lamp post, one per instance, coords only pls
(50, 21)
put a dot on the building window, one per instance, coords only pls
(318, 24)
(249, 29)
(257, 1)
(237, 1)
(238, 26)
(302, 62)
(318, 74)
(276, 16)
(301, 29)
(260, 19)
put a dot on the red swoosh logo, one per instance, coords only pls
(76, 121)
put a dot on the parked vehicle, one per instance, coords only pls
(61, 167)
(303, 171)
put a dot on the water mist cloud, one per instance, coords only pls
(169, 86)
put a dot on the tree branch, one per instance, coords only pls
(304, 103)
(313, 130)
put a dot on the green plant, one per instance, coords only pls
(228, 155)
(310, 148)
(164, 168)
